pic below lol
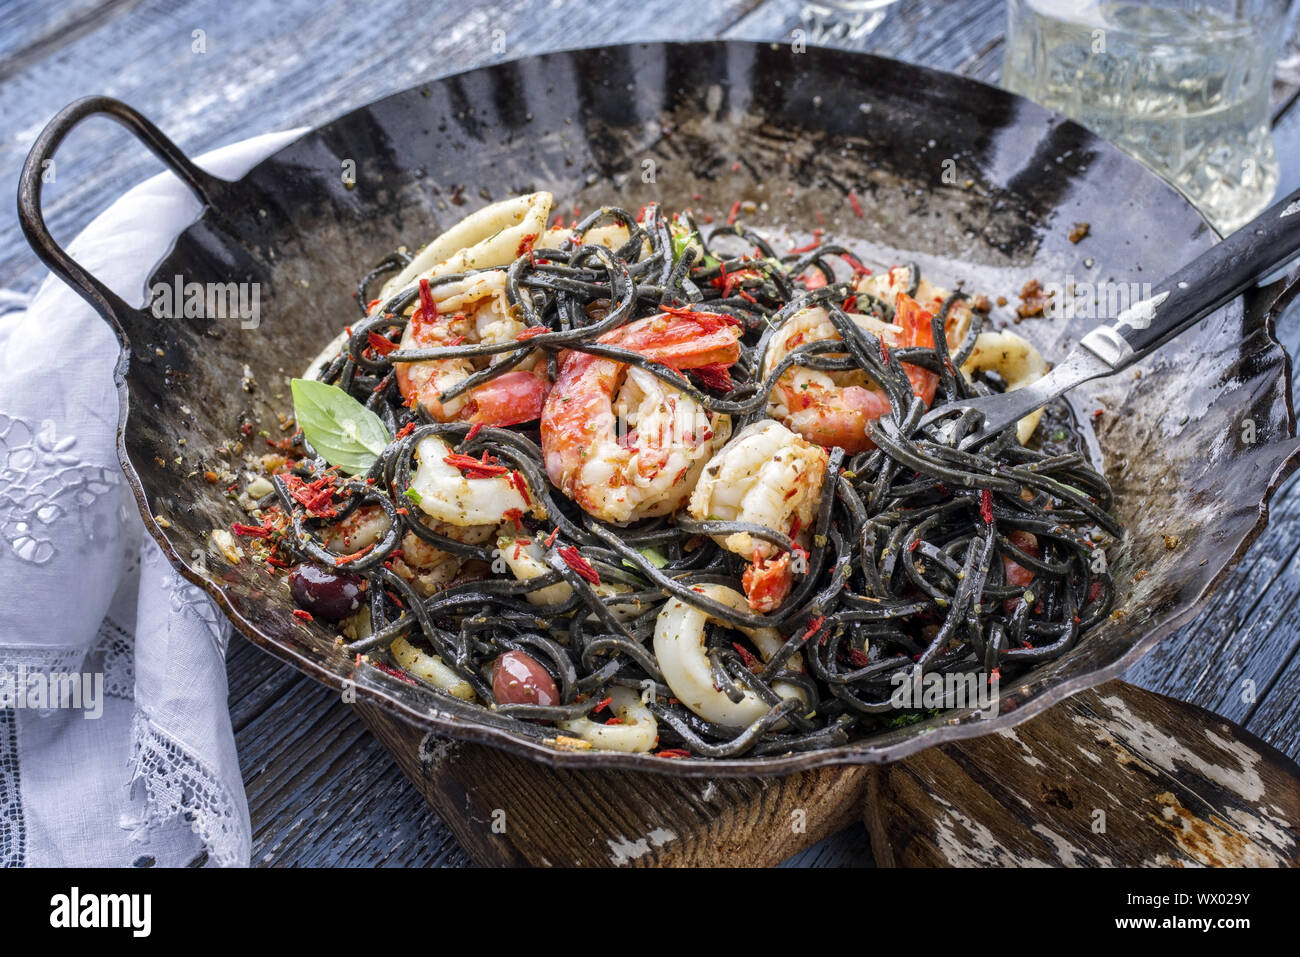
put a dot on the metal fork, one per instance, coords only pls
(1213, 278)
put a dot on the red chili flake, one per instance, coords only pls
(474, 430)
(405, 430)
(746, 296)
(746, 655)
(472, 467)
(370, 307)
(820, 218)
(850, 304)
(735, 211)
(808, 247)
(884, 352)
(603, 705)
(515, 515)
(857, 207)
(986, 506)
(531, 332)
(735, 167)
(1099, 413)
(855, 264)
(380, 344)
(715, 376)
(673, 753)
(526, 245)
(550, 539)
(795, 526)
(390, 670)
(914, 546)
(573, 558)
(428, 308)
(349, 559)
(304, 615)
(521, 486)
(316, 497)
(814, 626)
(858, 658)
(614, 721)
(251, 531)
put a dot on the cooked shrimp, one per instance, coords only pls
(1016, 361)
(470, 310)
(769, 476)
(429, 568)
(679, 646)
(835, 408)
(635, 728)
(651, 469)
(468, 497)
(888, 286)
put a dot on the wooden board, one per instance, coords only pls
(1113, 777)
(1116, 776)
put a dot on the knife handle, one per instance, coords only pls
(1215, 277)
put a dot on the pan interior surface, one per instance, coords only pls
(977, 186)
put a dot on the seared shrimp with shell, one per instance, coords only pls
(769, 476)
(835, 408)
(650, 467)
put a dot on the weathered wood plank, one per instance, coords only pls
(323, 792)
(1115, 776)
(945, 36)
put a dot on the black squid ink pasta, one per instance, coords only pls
(634, 485)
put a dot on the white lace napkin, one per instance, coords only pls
(116, 747)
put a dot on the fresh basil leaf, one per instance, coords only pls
(342, 430)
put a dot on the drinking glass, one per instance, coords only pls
(1183, 85)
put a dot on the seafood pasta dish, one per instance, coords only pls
(630, 484)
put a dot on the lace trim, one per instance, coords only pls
(116, 651)
(177, 785)
(13, 831)
(112, 653)
(44, 659)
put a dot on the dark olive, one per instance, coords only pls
(324, 592)
(519, 679)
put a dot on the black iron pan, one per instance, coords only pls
(969, 180)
